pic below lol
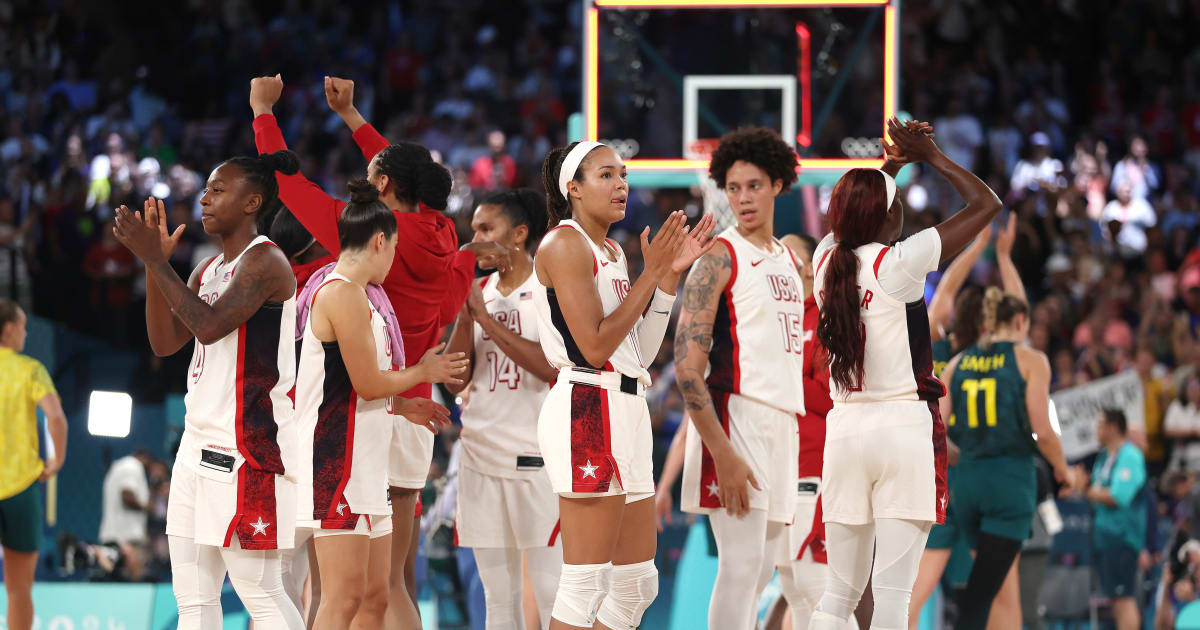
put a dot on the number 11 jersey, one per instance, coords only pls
(499, 436)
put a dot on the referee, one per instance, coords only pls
(24, 385)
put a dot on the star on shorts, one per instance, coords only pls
(712, 488)
(588, 469)
(260, 527)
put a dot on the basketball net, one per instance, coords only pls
(714, 199)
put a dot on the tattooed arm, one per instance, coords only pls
(263, 275)
(693, 341)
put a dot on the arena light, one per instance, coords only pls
(591, 78)
(804, 75)
(109, 414)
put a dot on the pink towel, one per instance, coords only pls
(375, 294)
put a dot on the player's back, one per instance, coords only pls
(988, 393)
(898, 352)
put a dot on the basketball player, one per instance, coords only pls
(231, 507)
(505, 503)
(739, 354)
(999, 392)
(427, 284)
(344, 391)
(885, 448)
(600, 331)
(946, 549)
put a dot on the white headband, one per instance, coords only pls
(890, 183)
(570, 163)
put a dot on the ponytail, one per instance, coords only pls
(260, 172)
(557, 206)
(840, 327)
(415, 177)
(999, 308)
(857, 208)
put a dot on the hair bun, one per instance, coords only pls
(283, 161)
(432, 185)
(362, 191)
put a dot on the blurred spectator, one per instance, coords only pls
(1136, 172)
(1128, 217)
(126, 500)
(1156, 393)
(959, 134)
(1040, 171)
(496, 170)
(1182, 426)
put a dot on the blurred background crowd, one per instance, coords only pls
(1083, 116)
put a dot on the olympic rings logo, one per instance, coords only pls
(858, 148)
(625, 147)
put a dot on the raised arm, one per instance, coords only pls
(166, 332)
(1009, 278)
(693, 342)
(525, 353)
(982, 203)
(947, 289)
(339, 94)
(566, 264)
(316, 209)
(340, 310)
(263, 275)
(657, 317)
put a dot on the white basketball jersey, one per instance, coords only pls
(898, 358)
(758, 334)
(499, 435)
(343, 438)
(612, 284)
(237, 389)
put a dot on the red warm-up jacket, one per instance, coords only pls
(430, 277)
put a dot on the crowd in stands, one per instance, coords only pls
(1083, 116)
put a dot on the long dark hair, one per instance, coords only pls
(857, 209)
(525, 207)
(558, 207)
(967, 326)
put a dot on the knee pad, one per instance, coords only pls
(581, 587)
(634, 587)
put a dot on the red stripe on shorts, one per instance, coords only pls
(256, 523)
(554, 532)
(940, 461)
(709, 487)
(591, 445)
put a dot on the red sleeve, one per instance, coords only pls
(462, 272)
(315, 209)
(369, 141)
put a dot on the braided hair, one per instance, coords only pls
(415, 176)
(260, 172)
(999, 308)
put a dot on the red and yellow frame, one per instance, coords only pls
(591, 74)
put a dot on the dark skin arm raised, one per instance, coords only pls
(263, 275)
(693, 341)
(982, 204)
(166, 333)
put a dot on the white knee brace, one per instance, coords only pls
(634, 587)
(580, 589)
